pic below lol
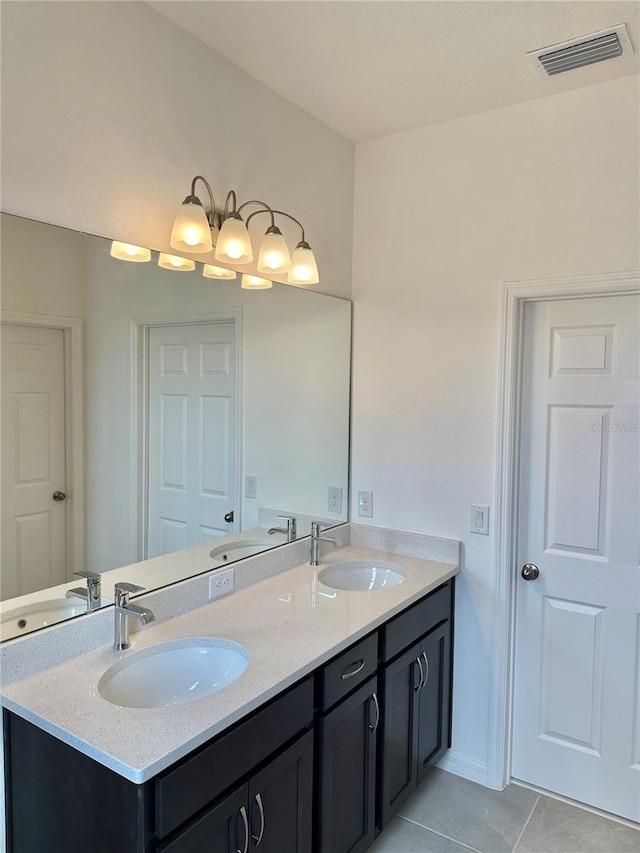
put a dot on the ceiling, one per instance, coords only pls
(369, 68)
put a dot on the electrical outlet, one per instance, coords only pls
(335, 499)
(365, 504)
(251, 487)
(222, 583)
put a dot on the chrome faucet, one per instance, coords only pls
(314, 553)
(124, 611)
(291, 529)
(89, 594)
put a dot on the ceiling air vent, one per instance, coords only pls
(569, 55)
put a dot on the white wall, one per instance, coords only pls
(109, 110)
(444, 215)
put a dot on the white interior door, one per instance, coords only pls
(34, 552)
(193, 457)
(577, 655)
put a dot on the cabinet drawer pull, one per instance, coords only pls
(373, 727)
(258, 838)
(358, 666)
(426, 675)
(245, 821)
(420, 683)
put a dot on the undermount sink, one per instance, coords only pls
(30, 617)
(362, 575)
(243, 548)
(170, 673)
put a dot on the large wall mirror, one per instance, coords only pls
(155, 423)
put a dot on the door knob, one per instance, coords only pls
(229, 517)
(59, 496)
(530, 572)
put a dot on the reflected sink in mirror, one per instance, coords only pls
(243, 548)
(171, 673)
(40, 614)
(362, 575)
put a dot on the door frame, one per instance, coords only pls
(140, 324)
(72, 329)
(514, 296)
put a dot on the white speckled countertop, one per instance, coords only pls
(289, 624)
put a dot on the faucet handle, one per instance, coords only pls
(123, 590)
(286, 517)
(90, 576)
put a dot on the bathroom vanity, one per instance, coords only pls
(319, 761)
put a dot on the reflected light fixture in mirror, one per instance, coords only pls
(196, 230)
(254, 282)
(173, 262)
(129, 252)
(211, 271)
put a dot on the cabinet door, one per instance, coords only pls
(399, 758)
(281, 802)
(348, 772)
(435, 698)
(222, 829)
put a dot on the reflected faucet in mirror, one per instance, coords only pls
(291, 529)
(91, 593)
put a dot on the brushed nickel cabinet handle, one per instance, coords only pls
(245, 821)
(372, 728)
(426, 675)
(421, 682)
(358, 666)
(258, 838)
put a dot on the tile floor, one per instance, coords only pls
(449, 814)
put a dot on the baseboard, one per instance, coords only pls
(462, 765)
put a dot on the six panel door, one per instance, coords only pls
(193, 454)
(34, 553)
(577, 658)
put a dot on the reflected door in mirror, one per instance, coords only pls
(192, 469)
(33, 460)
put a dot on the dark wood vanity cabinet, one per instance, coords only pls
(319, 769)
(416, 699)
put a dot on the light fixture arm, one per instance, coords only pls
(266, 209)
(279, 213)
(231, 197)
(211, 216)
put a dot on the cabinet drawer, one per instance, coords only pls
(187, 787)
(348, 670)
(415, 622)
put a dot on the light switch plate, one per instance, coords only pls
(251, 487)
(479, 519)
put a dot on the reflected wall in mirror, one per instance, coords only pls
(158, 416)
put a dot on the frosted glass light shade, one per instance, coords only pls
(173, 262)
(210, 271)
(234, 244)
(304, 269)
(274, 256)
(254, 282)
(191, 231)
(129, 252)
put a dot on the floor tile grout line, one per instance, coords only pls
(441, 834)
(526, 824)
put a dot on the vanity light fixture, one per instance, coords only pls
(254, 282)
(211, 271)
(193, 227)
(129, 252)
(173, 262)
(198, 230)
